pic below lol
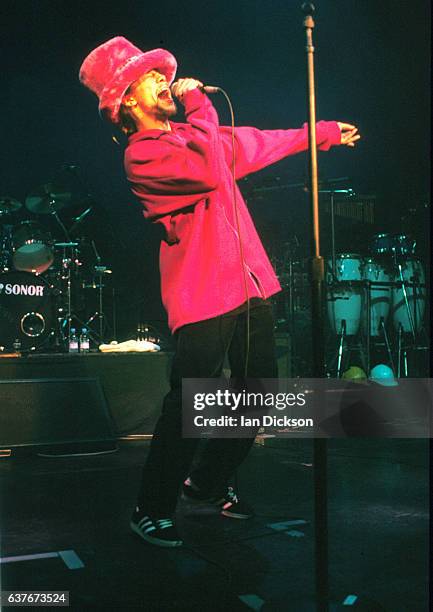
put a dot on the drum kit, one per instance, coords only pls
(43, 280)
(373, 301)
(364, 293)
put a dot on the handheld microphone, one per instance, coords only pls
(210, 89)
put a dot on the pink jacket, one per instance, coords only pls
(183, 179)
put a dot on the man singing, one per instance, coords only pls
(216, 278)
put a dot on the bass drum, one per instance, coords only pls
(26, 310)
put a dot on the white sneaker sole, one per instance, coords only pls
(229, 514)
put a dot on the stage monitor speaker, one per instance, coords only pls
(53, 411)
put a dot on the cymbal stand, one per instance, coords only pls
(406, 301)
(334, 269)
(368, 305)
(340, 348)
(5, 247)
(401, 354)
(65, 321)
(387, 344)
(332, 191)
(57, 218)
(99, 314)
(399, 347)
(68, 260)
(288, 310)
(291, 306)
(369, 285)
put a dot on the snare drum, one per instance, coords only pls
(344, 300)
(380, 296)
(412, 272)
(26, 309)
(32, 250)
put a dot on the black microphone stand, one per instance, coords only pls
(317, 280)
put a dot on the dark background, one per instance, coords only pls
(372, 69)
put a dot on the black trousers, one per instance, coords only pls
(201, 349)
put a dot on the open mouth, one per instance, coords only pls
(165, 94)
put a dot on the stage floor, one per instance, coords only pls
(378, 512)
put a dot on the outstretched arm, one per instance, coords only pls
(255, 149)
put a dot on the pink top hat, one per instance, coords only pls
(110, 69)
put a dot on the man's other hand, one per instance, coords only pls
(348, 134)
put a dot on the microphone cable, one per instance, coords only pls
(238, 229)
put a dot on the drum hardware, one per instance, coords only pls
(387, 344)
(99, 271)
(344, 293)
(378, 286)
(26, 310)
(365, 295)
(66, 276)
(401, 353)
(273, 184)
(398, 250)
(99, 315)
(403, 245)
(31, 261)
(9, 205)
(358, 281)
(71, 283)
(348, 192)
(47, 199)
(31, 247)
(409, 314)
(5, 246)
(392, 281)
(382, 244)
(292, 301)
(412, 311)
(340, 348)
(80, 218)
(287, 263)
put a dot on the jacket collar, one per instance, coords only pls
(150, 134)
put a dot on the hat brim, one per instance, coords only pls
(112, 94)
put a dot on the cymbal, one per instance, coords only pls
(8, 205)
(48, 198)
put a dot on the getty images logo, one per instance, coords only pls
(21, 289)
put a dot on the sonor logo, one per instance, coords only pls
(33, 290)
